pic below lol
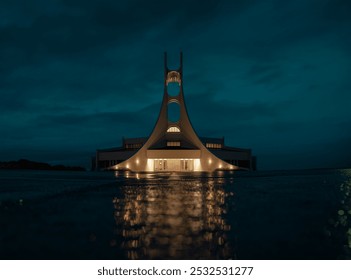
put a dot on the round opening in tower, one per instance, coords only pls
(173, 89)
(173, 112)
(173, 76)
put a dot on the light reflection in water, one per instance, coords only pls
(339, 228)
(173, 219)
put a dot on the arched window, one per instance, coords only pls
(173, 129)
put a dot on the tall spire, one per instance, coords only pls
(173, 141)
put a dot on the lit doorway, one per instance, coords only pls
(183, 165)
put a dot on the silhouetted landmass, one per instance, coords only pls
(27, 164)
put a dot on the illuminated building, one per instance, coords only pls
(173, 144)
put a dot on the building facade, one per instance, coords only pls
(173, 144)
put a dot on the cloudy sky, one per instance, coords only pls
(273, 76)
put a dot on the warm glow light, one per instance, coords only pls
(209, 161)
(213, 145)
(176, 219)
(127, 165)
(173, 129)
(220, 166)
(150, 165)
(173, 144)
(197, 165)
(137, 161)
(173, 76)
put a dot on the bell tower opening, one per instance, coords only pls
(173, 112)
(173, 89)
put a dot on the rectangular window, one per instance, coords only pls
(173, 144)
(213, 146)
(133, 146)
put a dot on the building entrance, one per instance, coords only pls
(173, 165)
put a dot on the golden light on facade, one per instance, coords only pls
(197, 164)
(173, 76)
(150, 164)
(173, 129)
(173, 144)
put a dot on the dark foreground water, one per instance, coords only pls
(260, 215)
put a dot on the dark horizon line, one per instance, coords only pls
(88, 169)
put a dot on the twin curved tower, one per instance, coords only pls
(173, 144)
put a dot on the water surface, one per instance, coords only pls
(258, 215)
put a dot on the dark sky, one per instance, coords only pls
(274, 76)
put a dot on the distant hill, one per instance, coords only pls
(27, 164)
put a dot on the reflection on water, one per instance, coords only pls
(174, 218)
(340, 224)
(302, 214)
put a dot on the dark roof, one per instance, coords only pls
(114, 149)
(135, 140)
(212, 140)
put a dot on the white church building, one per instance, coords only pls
(173, 145)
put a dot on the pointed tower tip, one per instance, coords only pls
(165, 62)
(181, 61)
